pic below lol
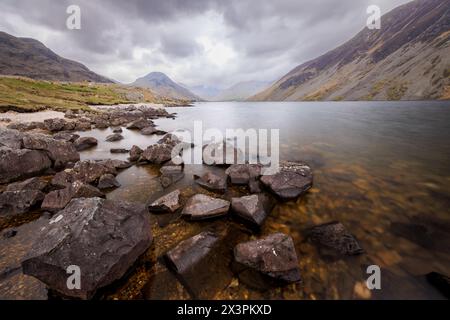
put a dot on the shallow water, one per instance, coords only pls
(381, 168)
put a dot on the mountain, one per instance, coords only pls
(204, 91)
(30, 58)
(163, 86)
(407, 59)
(241, 91)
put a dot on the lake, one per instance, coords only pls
(380, 168)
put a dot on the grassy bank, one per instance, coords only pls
(27, 95)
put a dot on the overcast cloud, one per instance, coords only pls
(195, 42)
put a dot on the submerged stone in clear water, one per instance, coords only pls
(271, 260)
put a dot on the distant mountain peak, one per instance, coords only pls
(163, 86)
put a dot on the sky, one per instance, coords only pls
(195, 42)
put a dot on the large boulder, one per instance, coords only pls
(58, 199)
(11, 139)
(55, 125)
(90, 171)
(253, 209)
(273, 259)
(292, 180)
(87, 171)
(140, 124)
(16, 164)
(60, 152)
(85, 143)
(201, 206)
(66, 136)
(243, 174)
(157, 153)
(29, 184)
(166, 204)
(334, 239)
(20, 197)
(170, 139)
(101, 237)
(212, 182)
(18, 202)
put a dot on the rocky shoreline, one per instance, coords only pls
(41, 171)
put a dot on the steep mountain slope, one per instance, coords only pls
(30, 58)
(163, 86)
(241, 91)
(408, 59)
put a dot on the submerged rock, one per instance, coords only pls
(440, 282)
(117, 130)
(58, 199)
(114, 137)
(189, 252)
(201, 206)
(222, 153)
(102, 237)
(171, 173)
(333, 236)
(212, 182)
(168, 203)
(119, 150)
(271, 259)
(108, 181)
(253, 208)
(84, 143)
(291, 181)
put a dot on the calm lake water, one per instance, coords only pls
(380, 168)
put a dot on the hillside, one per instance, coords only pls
(241, 91)
(30, 58)
(407, 59)
(163, 86)
(24, 95)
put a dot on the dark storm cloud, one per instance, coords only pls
(196, 41)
